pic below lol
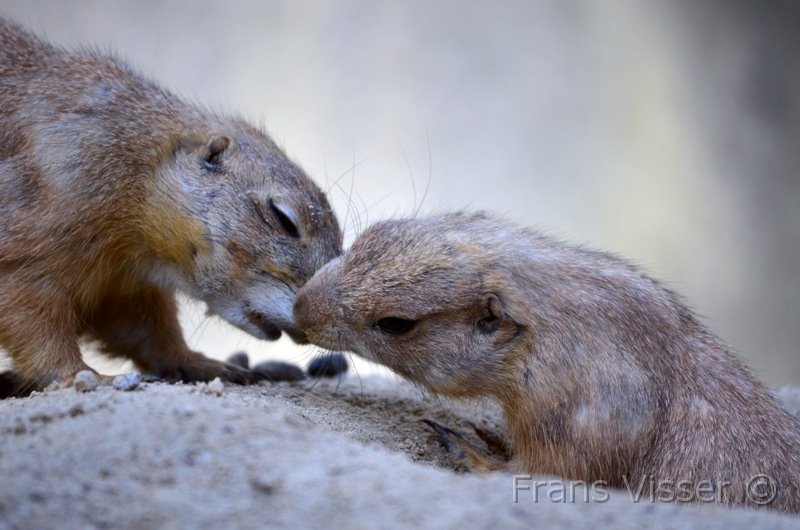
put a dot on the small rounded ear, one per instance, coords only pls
(213, 150)
(492, 315)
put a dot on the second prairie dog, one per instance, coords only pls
(602, 373)
(115, 193)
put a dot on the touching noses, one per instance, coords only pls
(313, 308)
(302, 305)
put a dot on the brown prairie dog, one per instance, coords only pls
(601, 372)
(114, 193)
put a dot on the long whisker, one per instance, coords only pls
(410, 173)
(430, 174)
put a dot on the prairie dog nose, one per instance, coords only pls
(301, 309)
(313, 307)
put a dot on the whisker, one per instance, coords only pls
(430, 174)
(358, 375)
(343, 174)
(410, 174)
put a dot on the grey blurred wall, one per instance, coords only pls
(667, 132)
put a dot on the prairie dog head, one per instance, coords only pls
(420, 296)
(250, 228)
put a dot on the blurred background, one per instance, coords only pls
(665, 131)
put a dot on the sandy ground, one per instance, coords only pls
(318, 453)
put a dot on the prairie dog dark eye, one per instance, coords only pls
(395, 325)
(287, 218)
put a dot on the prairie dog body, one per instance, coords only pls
(601, 372)
(114, 193)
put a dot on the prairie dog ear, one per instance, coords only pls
(493, 315)
(213, 151)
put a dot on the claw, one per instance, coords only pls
(462, 450)
(445, 437)
(241, 376)
(240, 359)
(275, 371)
(494, 443)
(203, 369)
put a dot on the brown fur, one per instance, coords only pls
(602, 373)
(114, 192)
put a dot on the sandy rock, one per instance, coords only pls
(85, 381)
(213, 388)
(127, 382)
(344, 453)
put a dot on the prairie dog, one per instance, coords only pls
(602, 373)
(114, 193)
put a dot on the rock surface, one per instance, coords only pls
(127, 382)
(315, 454)
(85, 381)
